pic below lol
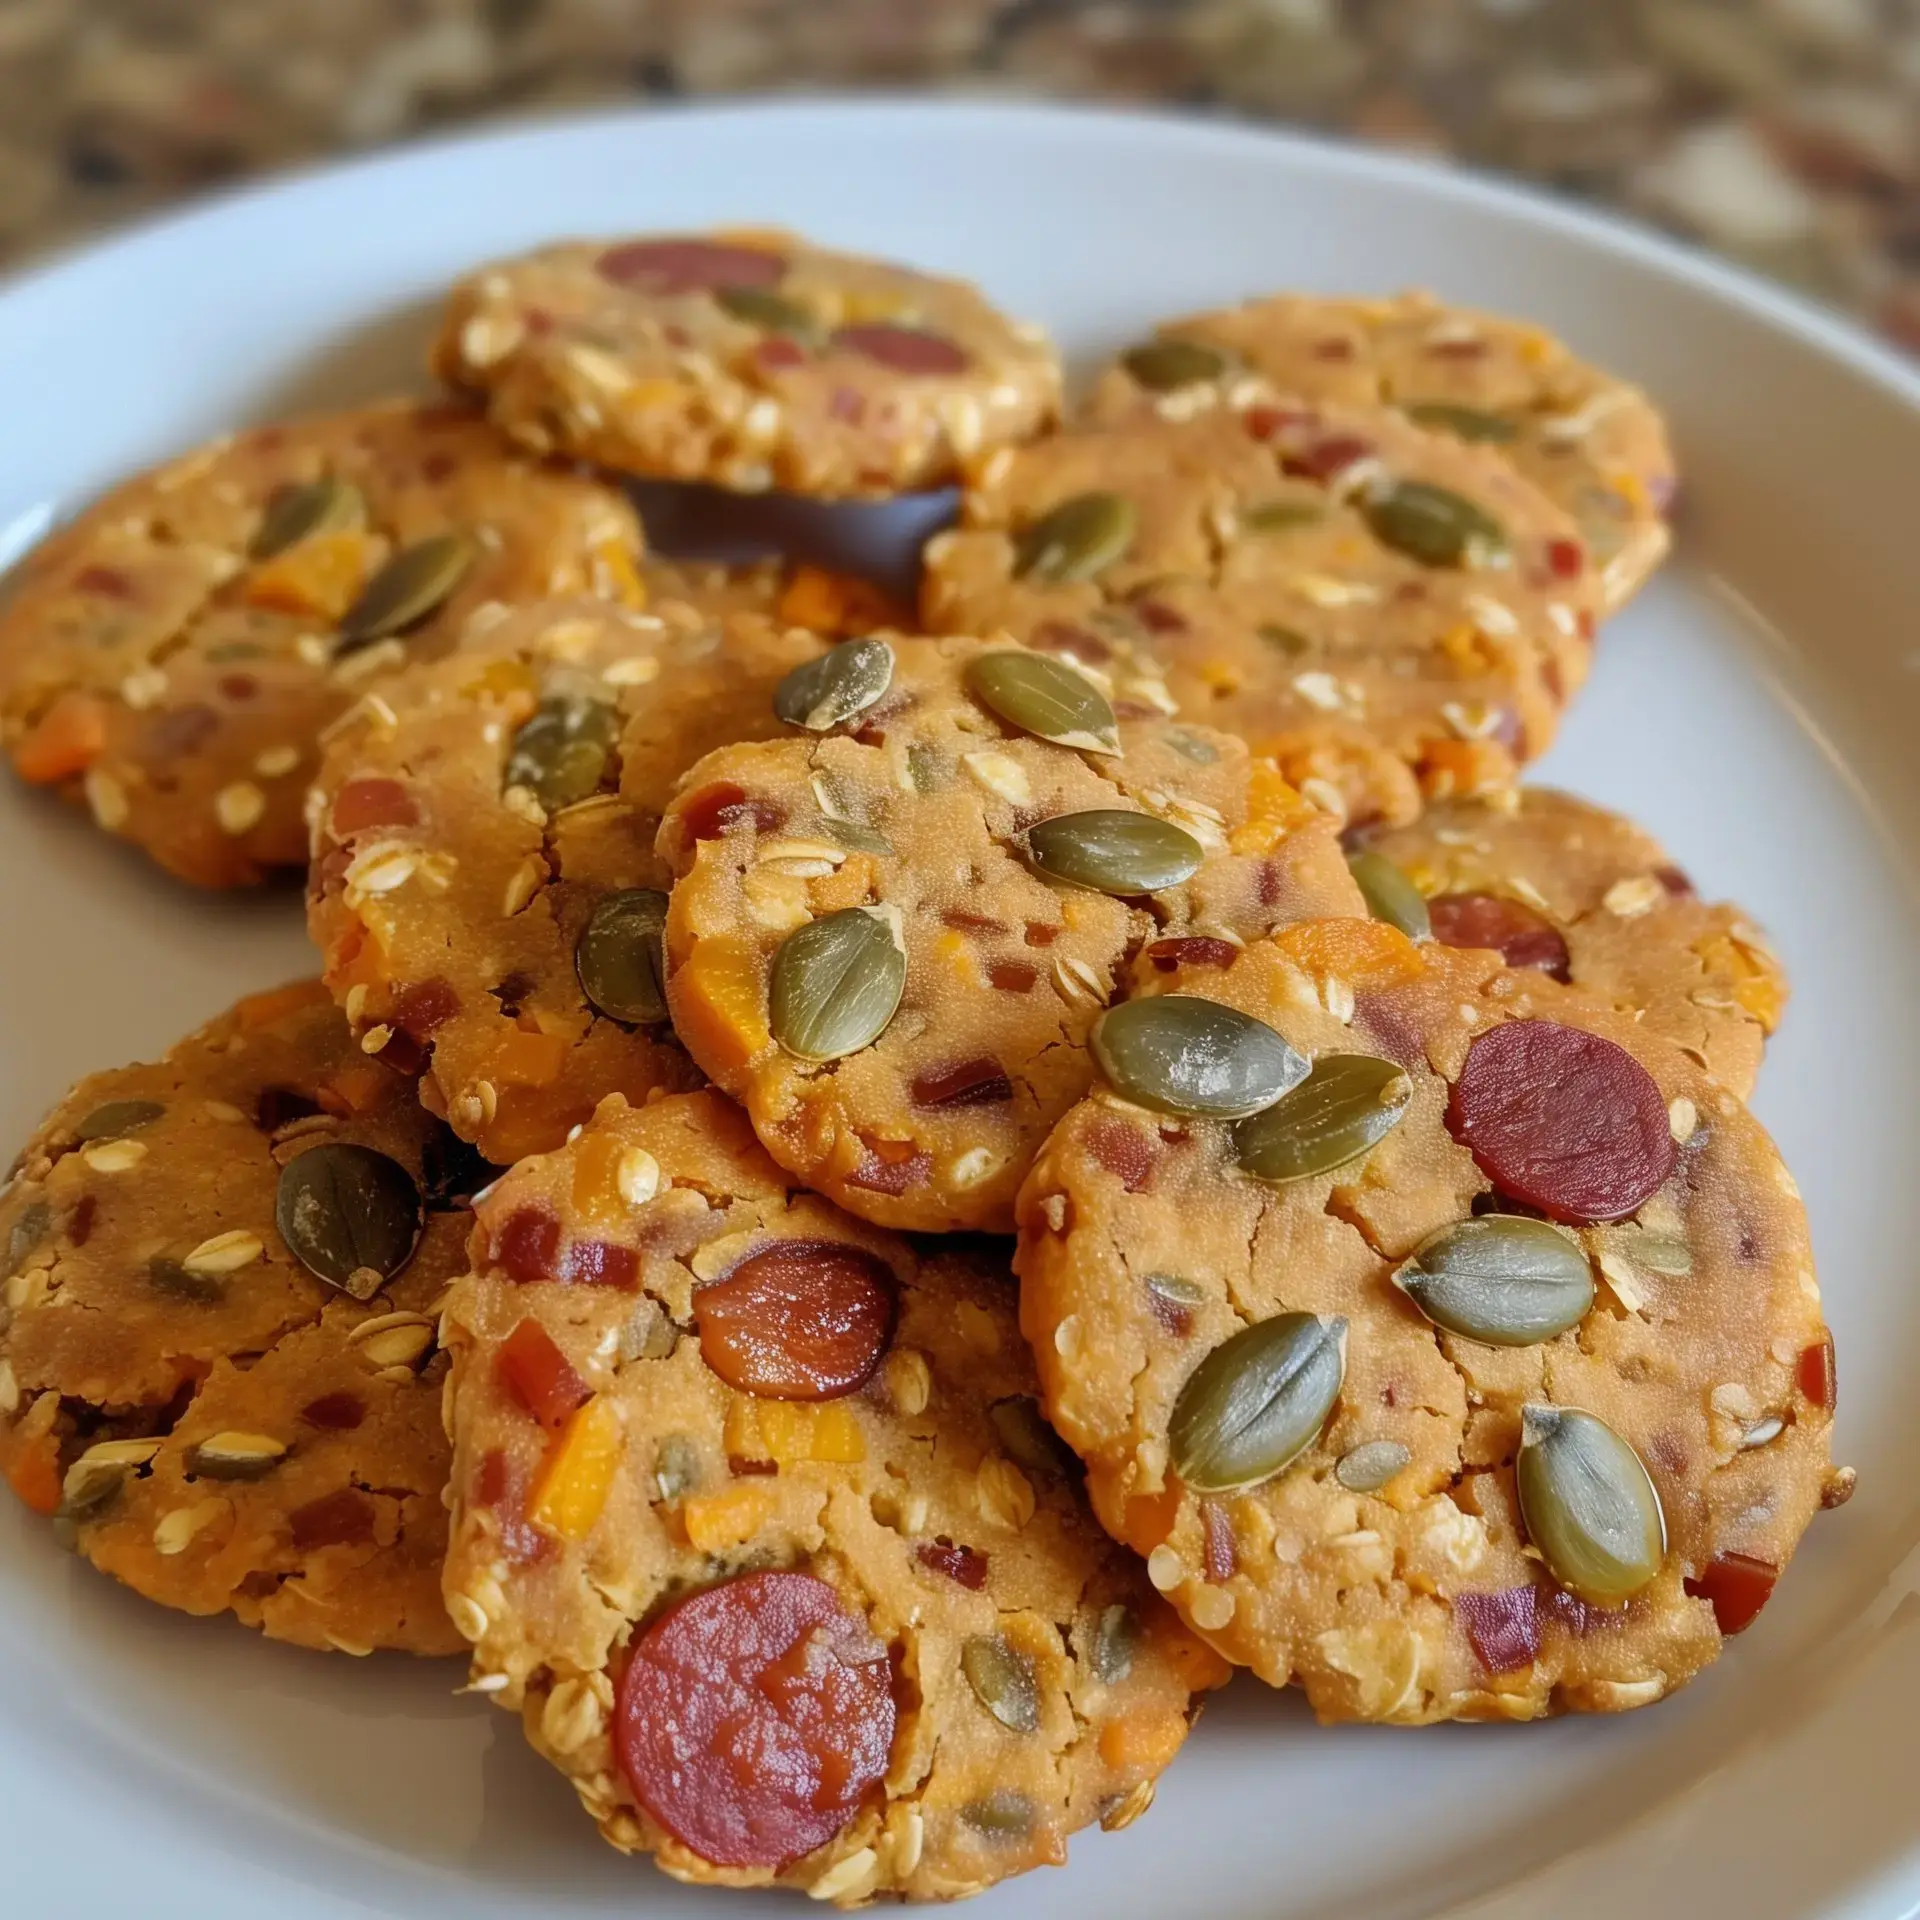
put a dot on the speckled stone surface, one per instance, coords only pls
(1785, 133)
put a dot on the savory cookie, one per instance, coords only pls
(757, 1526)
(1476, 1373)
(484, 886)
(175, 654)
(1588, 440)
(747, 359)
(1556, 883)
(891, 930)
(1383, 609)
(218, 1372)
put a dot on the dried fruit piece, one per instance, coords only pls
(1502, 1279)
(1736, 1586)
(972, 1083)
(754, 1718)
(537, 1375)
(349, 1215)
(408, 588)
(1519, 935)
(799, 1320)
(911, 350)
(300, 509)
(1389, 894)
(1001, 1677)
(1164, 366)
(562, 750)
(578, 1472)
(617, 958)
(1345, 1107)
(1044, 697)
(836, 983)
(1588, 1505)
(843, 682)
(1434, 525)
(689, 266)
(1113, 850)
(1562, 1119)
(1815, 1375)
(1176, 1053)
(1257, 1402)
(1076, 540)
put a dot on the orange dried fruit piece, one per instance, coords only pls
(729, 1518)
(1363, 953)
(578, 1472)
(34, 1474)
(719, 1005)
(1143, 1742)
(1275, 807)
(792, 1433)
(1759, 982)
(318, 578)
(523, 1059)
(836, 603)
(64, 742)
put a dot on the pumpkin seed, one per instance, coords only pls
(1028, 1439)
(1502, 1279)
(1257, 1402)
(1290, 640)
(676, 1466)
(178, 1282)
(1589, 1505)
(235, 1456)
(27, 1233)
(1002, 1681)
(1114, 851)
(1368, 1467)
(1189, 746)
(1659, 1253)
(408, 588)
(349, 1214)
(1078, 539)
(1278, 516)
(759, 308)
(1114, 1640)
(1177, 1053)
(1003, 1814)
(1435, 525)
(1390, 896)
(1046, 698)
(923, 768)
(1163, 366)
(303, 508)
(836, 983)
(118, 1117)
(1183, 1296)
(1345, 1107)
(88, 1494)
(826, 692)
(1464, 423)
(617, 957)
(856, 836)
(561, 751)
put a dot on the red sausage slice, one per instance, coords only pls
(799, 1320)
(689, 266)
(754, 1718)
(1562, 1119)
(1521, 937)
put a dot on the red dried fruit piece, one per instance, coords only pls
(708, 814)
(342, 1519)
(540, 1378)
(501, 1487)
(1816, 1376)
(754, 1718)
(962, 921)
(1012, 976)
(336, 1412)
(902, 349)
(1323, 459)
(600, 1263)
(238, 687)
(1566, 559)
(1056, 636)
(778, 354)
(80, 1220)
(1219, 1553)
(689, 266)
(1192, 950)
(1520, 936)
(1039, 934)
(109, 582)
(1562, 1119)
(970, 1083)
(1502, 1628)
(1157, 617)
(424, 1007)
(1736, 1586)
(960, 1564)
(1124, 1151)
(526, 1245)
(890, 1166)
(799, 1320)
(174, 735)
(1675, 881)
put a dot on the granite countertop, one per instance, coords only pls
(1785, 133)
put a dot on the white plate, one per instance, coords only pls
(1757, 707)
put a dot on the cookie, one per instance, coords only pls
(796, 593)
(757, 1527)
(484, 886)
(218, 1372)
(1384, 610)
(1592, 443)
(174, 655)
(746, 359)
(891, 930)
(1582, 894)
(1382, 1427)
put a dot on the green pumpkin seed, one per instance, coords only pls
(1280, 516)
(301, 509)
(759, 308)
(408, 588)
(1589, 1505)
(856, 836)
(1189, 746)
(1078, 539)
(26, 1234)
(118, 1117)
(1177, 1053)
(1028, 1439)
(1290, 640)
(924, 773)
(349, 1215)
(1182, 1296)
(561, 752)
(1502, 1279)
(1114, 1640)
(1435, 525)
(167, 1276)
(1001, 1677)
(1464, 423)
(1390, 895)
(826, 692)
(1046, 698)
(1658, 1253)
(1257, 1402)
(1003, 1814)
(1114, 851)
(1368, 1468)
(676, 1466)
(836, 983)
(235, 1456)
(90, 1495)
(1164, 366)
(1345, 1107)
(617, 957)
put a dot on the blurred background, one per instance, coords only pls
(1784, 133)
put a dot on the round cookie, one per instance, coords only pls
(1556, 883)
(1569, 1510)
(1591, 442)
(746, 359)
(1384, 610)
(484, 886)
(175, 654)
(878, 940)
(798, 594)
(739, 1479)
(200, 1412)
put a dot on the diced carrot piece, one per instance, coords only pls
(317, 578)
(65, 741)
(578, 1472)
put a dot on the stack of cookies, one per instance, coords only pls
(870, 1199)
